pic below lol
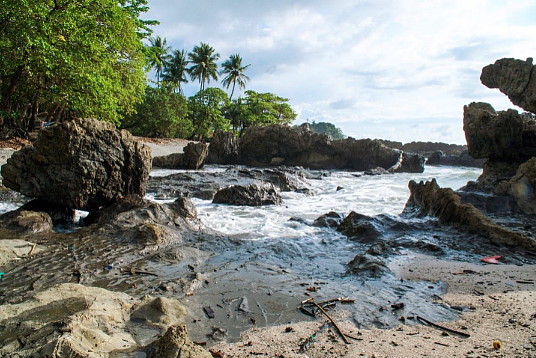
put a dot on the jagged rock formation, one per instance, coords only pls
(83, 164)
(522, 186)
(515, 78)
(194, 157)
(429, 199)
(249, 195)
(223, 148)
(299, 146)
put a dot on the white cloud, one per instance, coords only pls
(398, 70)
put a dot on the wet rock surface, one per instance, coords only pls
(429, 199)
(83, 164)
(248, 195)
(204, 185)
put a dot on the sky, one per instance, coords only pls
(390, 69)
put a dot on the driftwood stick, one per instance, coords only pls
(332, 322)
(435, 325)
(32, 249)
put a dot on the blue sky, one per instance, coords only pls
(399, 70)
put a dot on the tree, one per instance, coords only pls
(204, 65)
(207, 111)
(258, 109)
(176, 69)
(158, 55)
(327, 128)
(235, 73)
(162, 114)
(69, 59)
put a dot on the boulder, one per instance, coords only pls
(193, 157)
(300, 146)
(223, 148)
(515, 78)
(249, 195)
(360, 228)
(82, 164)
(429, 199)
(411, 163)
(367, 265)
(331, 219)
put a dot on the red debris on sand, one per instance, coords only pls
(491, 259)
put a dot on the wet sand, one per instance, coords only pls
(498, 301)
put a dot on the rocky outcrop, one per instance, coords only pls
(458, 160)
(429, 199)
(72, 320)
(359, 227)
(223, 148)
(299, 146)
(505, 135)
(82, 164)
(515, 78)
(248, 195)
(193, 157)
(204, 185)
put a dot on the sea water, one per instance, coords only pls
(337, 191)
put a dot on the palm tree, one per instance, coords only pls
(159, 55)
(235, 73)
(204, 65)
(175, 69)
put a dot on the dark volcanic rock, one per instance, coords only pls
(359, 227)
(367, 265)
(193, 158)
(459, 160)
(299, 146)
(504, 135)
(223, 148)
(514, 78)
(82, 164)
(331, 219)
(429, 199)
(204, 185)
(249, 195)
(411, 163)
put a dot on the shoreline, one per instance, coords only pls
(504, 311)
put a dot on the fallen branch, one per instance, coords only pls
(332, 322)
(435, 325)
(32, 250)
(133, 271)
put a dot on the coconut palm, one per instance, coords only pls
(204, 65)
(235, 73)
(175, 70)
(159, 55)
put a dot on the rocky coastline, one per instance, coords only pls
(126, 279)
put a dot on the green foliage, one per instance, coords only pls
(162, 113)
(327, 128)
(204, 67)
(207, 112)
(158, 55)
(257, 109)
(72, 58)
(176, 69)
(235, 73)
